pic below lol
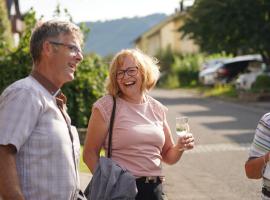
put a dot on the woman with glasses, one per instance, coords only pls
(141, 136)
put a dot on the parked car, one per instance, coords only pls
(228, 69)
(231, 68)
(206, 75)
(211, 63)
(247, 79)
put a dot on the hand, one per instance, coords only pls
(186, 142)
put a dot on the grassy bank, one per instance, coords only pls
(226, 91)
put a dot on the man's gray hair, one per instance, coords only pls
(50, 29)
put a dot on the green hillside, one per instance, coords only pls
(109, 37)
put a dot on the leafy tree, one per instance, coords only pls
(166, 59)
(17, 64)
(64, 13)
(5, 30)
(233, 26)
(58, 13)
(84, 90)
(178, 70)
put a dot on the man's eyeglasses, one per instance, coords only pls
(131, 71)
(73, 48)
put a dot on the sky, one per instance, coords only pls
(94, 10)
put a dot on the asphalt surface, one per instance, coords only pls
(223, 130)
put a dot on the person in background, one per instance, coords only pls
(39, 149)
(141, 139)
(257, 166)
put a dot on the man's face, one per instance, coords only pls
(65, 58)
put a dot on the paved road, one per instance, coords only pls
(223, 132)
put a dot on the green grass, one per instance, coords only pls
(219, 90)
(83, 167)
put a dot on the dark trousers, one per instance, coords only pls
(149, 191)
(266, 191)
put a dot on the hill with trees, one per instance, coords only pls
(109, 37)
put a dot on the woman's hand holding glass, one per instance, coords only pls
(185, 139)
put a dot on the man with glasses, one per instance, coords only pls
(39, 148)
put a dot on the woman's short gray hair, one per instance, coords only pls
(50, 29)
(147, 66)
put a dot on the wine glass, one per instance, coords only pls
(182, 127)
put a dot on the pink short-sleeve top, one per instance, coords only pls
(138, 136)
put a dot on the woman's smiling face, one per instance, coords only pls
(129, 78)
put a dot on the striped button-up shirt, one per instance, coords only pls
(261, 145)
(31, 121)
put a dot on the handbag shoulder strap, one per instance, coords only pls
(109, 154)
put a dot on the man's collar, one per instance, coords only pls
(52, 89)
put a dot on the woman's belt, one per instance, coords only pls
(150, 179)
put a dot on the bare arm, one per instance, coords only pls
(9, 181)
(170, 152)
(95, 137)
(255, 166)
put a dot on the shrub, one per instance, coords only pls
(169, 81)
(5, 30)
(87, 87)
(261, 84)
(17, 63)
(181, 70)
(166, 59)
(188, 69)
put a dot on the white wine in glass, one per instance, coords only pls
(182, 127)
